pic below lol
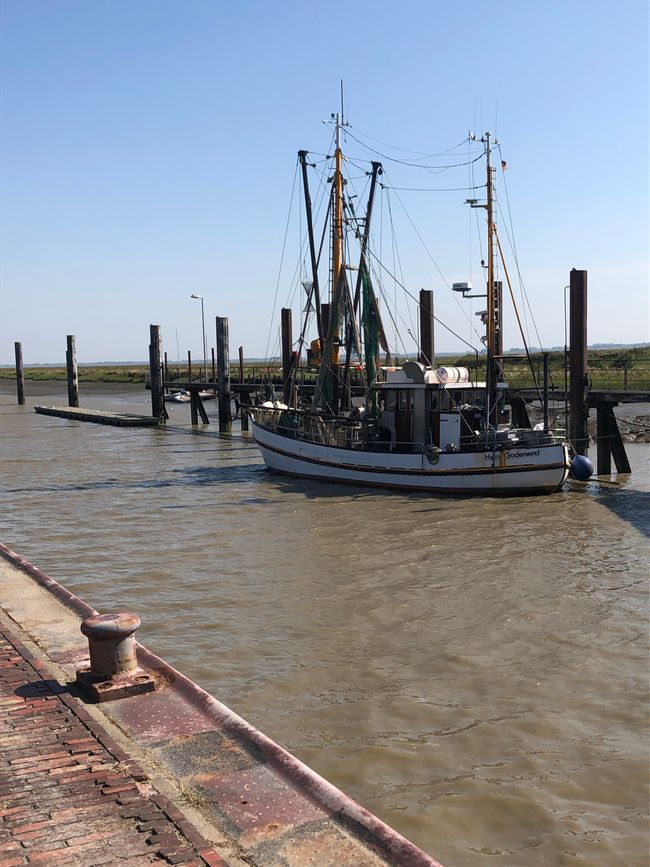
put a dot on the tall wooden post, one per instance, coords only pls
(545, 408)
(287, 343)
(20, 374)
(579, 412)
(214, 366)
(189, 366)
(427, 348)
(223, 374)
(242, 411)
(165, 369)
(155, 373)
(73, 378)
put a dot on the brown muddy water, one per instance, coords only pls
(474, 671)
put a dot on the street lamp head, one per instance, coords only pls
(200, 297)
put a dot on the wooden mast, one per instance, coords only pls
(327, 386)
(337, 263)
(493, 310)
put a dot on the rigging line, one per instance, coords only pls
(470, 174)
(322, 185)
(412, 164)
(524, 297)
(421, 239)
(405, 150)
(515, 254)
(284, 244)
(392, 243)
(437, 267)
(392, 247)
(395, 249)
(514, 304)
(295, 278)
(421, 154)
(413, 298)
(438, 189)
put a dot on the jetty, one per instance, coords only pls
(98, 416)
(161, 773)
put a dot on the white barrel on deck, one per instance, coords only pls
(452, 374)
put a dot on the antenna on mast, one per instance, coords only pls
(342, 112)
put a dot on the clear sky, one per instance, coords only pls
(149, 148)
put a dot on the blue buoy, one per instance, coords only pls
(581, 468)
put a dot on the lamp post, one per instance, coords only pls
(200, 298)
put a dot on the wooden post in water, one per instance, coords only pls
(578, 361)
(197, 408)
(20, 374)
(427, 349)
(287, 343)
(223, 374)
(155, 374)
(603, 449)
(609, 442)
(189, 366)
(242, 412)
(545, 380)
(71, 365)
(214, 367)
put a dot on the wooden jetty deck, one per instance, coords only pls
(97, 416)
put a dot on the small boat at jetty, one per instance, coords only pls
(417, 426)
(179, 396)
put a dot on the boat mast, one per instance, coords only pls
(493, 311)
(327, 386)
(337, 258)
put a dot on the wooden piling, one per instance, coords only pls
(579, 412)
(214, 366)
(287, 343)
(189, 366)
(545, 380)
(427, 348)
(71, 365)
(155, 374)
(166, 369)
(242, 412)
(20, 374)
(609, 442)
(603, 450)
(223, 374)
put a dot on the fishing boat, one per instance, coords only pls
(416, 426)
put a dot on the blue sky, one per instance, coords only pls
(149, 148)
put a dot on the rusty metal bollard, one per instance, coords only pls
(114, 671)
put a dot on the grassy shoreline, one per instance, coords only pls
(629, 368)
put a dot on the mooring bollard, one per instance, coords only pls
(114, 671)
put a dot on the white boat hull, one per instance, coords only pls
(535, 470)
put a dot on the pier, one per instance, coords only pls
(98, 416)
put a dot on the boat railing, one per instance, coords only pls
(355, 432)
(318, 428)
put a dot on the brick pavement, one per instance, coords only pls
(68, 793)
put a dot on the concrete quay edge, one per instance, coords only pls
(290, 815)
